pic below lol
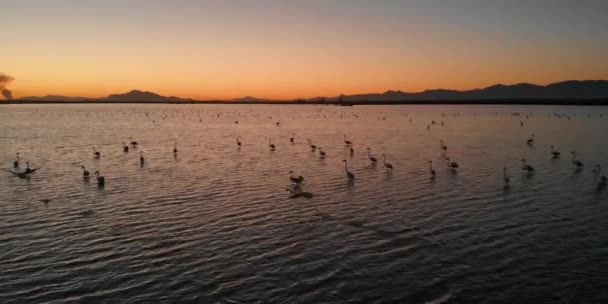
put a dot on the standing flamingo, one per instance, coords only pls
(175, 147)
(292, 138)
(347, 142)
(526, 167)
(238, 142)
(505, 177)
(431, 169)
(295, 180)
(271, 145)
(387, 165)
(555, 153)
(125, 148)
(101, 181)
(85, 173)
(603, 180)
(530, 140)
(451, 164)
(312, 147)
(141, 157)
(350, 175)
(369, 155)
(442, 146)
(96, 153)
(321, 153)
(16, 162)
(133, 143)
(577, 163)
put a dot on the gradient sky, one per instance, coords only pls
(288, 49)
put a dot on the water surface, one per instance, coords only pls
(215, 224)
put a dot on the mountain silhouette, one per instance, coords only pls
(137, 95)
(572, 89)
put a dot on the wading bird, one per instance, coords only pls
(555, 153)
(141, 157)
(530, 140)
(442, 146)
(505, 177)
(431, 169)
(577, 163)
(133, 143)
(16, 162)
(101, 181)
(526, 167)
(387, 165)
(347, 142)
(350, 175)
(125, 148)
(312, 147)
(271, 145)
(369, 155)
(451, 164)
(85, 172)
(603, 180)
(96, 153)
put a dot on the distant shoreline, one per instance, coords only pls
(568, 102)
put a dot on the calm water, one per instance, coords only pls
(215, 224)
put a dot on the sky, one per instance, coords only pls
(290, 49)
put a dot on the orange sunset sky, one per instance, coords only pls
(291, 49)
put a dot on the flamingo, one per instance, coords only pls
(347, 142)
(350, 175)
(133, 143)
(292, 138)
(16, 162)
(352, 151)
(603, 179)
(505, 177)
(96, 153)
(369, 155)
(125, 148)
(141, 157)
(321, 152)
(28, 170)
(577, 163)
(555, 154)
(442, 146)
(387, 165)
(295, 180)
(175, 147)
(238, 142)
(526, 167)
(313, 147)
(101, 181)
(85, 172)
(431, 169)
(271, 145)
(530, 140)
(451, 164)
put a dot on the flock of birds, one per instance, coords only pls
(297, 182)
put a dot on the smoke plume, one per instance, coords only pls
(4, 80)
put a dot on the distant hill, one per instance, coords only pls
(136, 95)
(565, 92)
(249, 99)
(573, 90)
(54, 98)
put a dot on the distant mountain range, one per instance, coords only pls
(566, 90)
(573, 90)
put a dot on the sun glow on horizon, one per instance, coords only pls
(224, 50)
